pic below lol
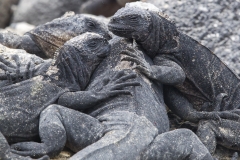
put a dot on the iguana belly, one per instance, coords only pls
(21, 105)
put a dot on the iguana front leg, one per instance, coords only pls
(184, 109)
(110, 87)
(178, 104)
(15, 72)
(169, 72)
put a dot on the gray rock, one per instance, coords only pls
(6, 12)
(100, 7)
(41, 11)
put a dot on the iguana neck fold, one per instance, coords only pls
(71, 70)
(162, 35)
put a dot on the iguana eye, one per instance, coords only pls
(92, 44)
(91, 24)
(133, 17)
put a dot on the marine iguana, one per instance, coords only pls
(117, 122)
(45, 39)
(207, 90)
(108, 122)
(13, 61)
(22, 103)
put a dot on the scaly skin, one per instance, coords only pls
(44, 40)
(22, 103)
(146, 101)
(17, 65)
(205, 88)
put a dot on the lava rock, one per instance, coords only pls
(41, 11)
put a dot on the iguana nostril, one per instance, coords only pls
(114, 19)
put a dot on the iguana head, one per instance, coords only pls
(131, 23)
(52, 35)
(78, 58)
(146, 24)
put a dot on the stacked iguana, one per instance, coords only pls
(116, 125)
(23, 102)
(205, 89)
(128, 125)
(44, 40)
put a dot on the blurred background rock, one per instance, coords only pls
(41, 11)
(6, 11)
(37, 12)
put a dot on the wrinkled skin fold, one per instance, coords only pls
(205, 88)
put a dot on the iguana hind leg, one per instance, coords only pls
(177, 144)
(59, 126)
(226, 133)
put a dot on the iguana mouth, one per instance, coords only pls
(120, 28)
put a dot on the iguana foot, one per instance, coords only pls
(142, 66)
(236, 111)
(230, 115)
(114, 86)
(32, 149)
(14, 72)
(6, 154)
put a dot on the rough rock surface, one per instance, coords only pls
(41, 11)
(103, 7)
(214, 23)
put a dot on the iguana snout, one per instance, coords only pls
(130, 23)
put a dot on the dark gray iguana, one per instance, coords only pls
(44, 40)
(113, 127)
(127, 141)
(207, 90)
(22, 103)
(117, 127)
